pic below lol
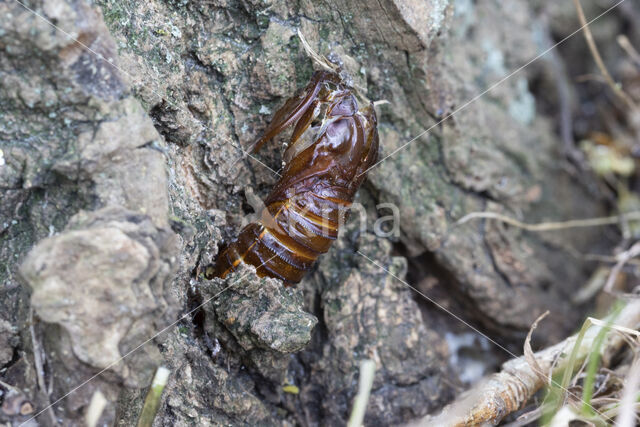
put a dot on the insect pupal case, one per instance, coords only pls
(334, 142)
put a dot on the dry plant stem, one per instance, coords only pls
(599, 62)
(508, 390)
(626, 45)
(595, 283)
(608, 259)
(549, 226)
(154, 397)
(36, 354)
(40, 368)
(96, 408)
(367, 372)
(623, 258)
(319, 59)
(627, 415)
(9, 386)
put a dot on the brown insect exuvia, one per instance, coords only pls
(334, 142)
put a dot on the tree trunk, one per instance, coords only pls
(120, 133)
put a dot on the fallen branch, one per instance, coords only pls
(507, 391)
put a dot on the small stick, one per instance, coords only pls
(367, 372)
(599, 62)
(548, 226)
(627, 415)
(40, 367)
(595, 283)
(626, 45)
(623, 258)
(152, 401)
(36, 354)
(9, 387)
(96, 408)
(607, 259)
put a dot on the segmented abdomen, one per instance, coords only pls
(287, 240)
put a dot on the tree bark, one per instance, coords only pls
(121, 129)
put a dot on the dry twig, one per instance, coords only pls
(627, 414)
(9, 387)
(550, 226)
(623, 258)
(37, 353)
(626, 45)
(95, 409)
(599, 62)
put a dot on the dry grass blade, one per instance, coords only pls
(37, 359)
(618, 327)
(528, 352)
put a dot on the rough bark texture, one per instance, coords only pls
(119, 135)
